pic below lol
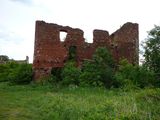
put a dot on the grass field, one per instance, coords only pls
(32, 102)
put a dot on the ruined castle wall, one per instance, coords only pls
(125, 42)
(101, 38)
(50, 52)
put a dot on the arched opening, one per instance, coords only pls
(72, 53)
(62, 35)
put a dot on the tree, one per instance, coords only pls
(99, 70)
(4, 58)
(152, 50)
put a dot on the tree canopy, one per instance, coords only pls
(152, 50)
(4, 58)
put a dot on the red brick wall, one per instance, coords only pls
(50, 52)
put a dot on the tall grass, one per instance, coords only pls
(32, 102)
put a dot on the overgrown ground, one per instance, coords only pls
(31, 102)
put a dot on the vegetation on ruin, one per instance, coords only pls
(102, 71)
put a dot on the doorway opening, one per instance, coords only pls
(72, 53)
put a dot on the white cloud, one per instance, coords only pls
(27, 2)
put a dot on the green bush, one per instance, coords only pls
(145, 77)
(90, 76)
(21, 74)
(56, 76)
(7, 69)
(129, 74)
(16, 73)
(70, 74)
(99, 71)
(4, 71)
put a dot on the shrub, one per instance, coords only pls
(56, 76)
(7, 69)
(99, 70)
(22, 74)
(90, 76)
(129, 74)
(4, 71)
(145, 77)
(16, 73)
(70, 74)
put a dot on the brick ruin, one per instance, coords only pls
(50, 52)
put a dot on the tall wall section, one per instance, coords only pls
(50, 52)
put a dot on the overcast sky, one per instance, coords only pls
(17, 19)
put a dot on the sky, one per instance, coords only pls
(17, 19)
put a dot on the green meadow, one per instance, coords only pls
(37, 102)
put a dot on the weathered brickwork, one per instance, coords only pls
(50, 52)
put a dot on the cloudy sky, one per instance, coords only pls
(17, 19)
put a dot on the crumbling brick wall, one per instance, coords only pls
(50, 52)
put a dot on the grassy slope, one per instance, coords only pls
(44, 103)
